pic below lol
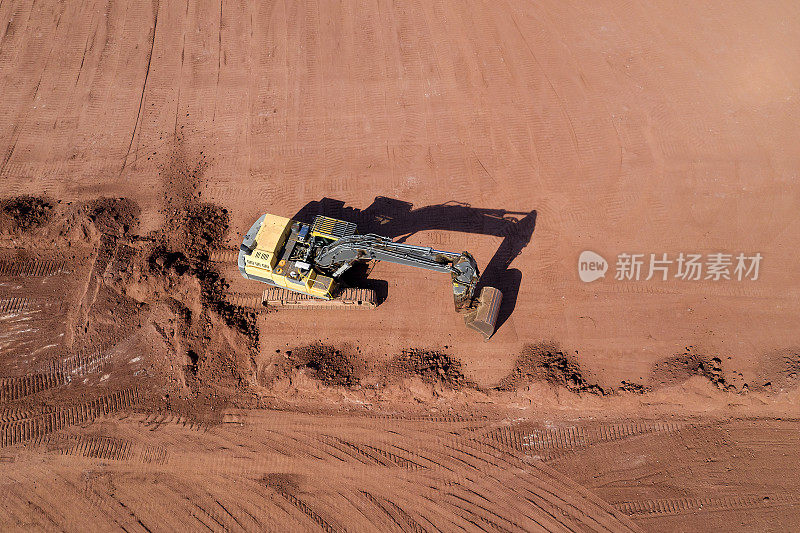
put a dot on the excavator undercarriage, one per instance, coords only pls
(304, 265)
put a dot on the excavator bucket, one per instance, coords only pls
(484, 317)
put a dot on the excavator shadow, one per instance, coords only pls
(399, 220)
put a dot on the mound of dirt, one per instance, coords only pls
(547, 362)
(331, 366)
(680, 368)
(27, 212)
(241, 319)
(786, 371)
(204, 225)
(431, 366)
(191, 232)
(114, 216)
(162, 261)
(635, 388)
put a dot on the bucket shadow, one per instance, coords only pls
(399, 220)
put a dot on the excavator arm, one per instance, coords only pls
(340, 255)
(479, 314)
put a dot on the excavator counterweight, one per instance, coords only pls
(310, 260)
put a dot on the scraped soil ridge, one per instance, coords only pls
(24, 213)
(431, 366)
(549, 363)
(329, 365)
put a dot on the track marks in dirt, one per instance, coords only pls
(13, 414)
(247, 300)
(339, 496)
(14, 388)
(144, 84)
(324, 524)
(369, 454)
(677, 506)
(80, 364)
(476, 514)
(224, 255)
(154, 421)
(32, 268)
(550, 443)
(111, 506)
(397, 515)
(11, 306)
(39, 425)
(111, 448)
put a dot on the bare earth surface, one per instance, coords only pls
(142, 386)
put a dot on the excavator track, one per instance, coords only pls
(279, 298)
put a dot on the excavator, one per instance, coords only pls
(303, 263)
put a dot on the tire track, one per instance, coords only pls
(224, 255)
(351, 451)
(397, 460)
(12, 306)
(559, 502)
(248, 300)
(32, 268)
(393, 516)
(374, 454)
(677, 506)
(154, 421)
(14, 414)
(554, 442)
(38, 426)
(111, 508)
(309, 512)
(111, 448)
(82, 363)
(13, 388)
(408, 519)
(479, 515)
(144, 85)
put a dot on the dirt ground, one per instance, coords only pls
(143, 386)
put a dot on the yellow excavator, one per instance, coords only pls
(304, 264)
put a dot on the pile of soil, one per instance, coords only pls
(680, 368)
(114, 216)
(204, 225)
(165, 262)
(197, 229)
(547, 362)
(207, 343)
(27, 212)
(217, 339)
(635, 388)
(331, 366)
(431, 366)
(192, 230)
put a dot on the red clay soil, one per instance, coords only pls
(144, 387)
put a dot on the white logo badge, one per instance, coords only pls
(591, 266)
